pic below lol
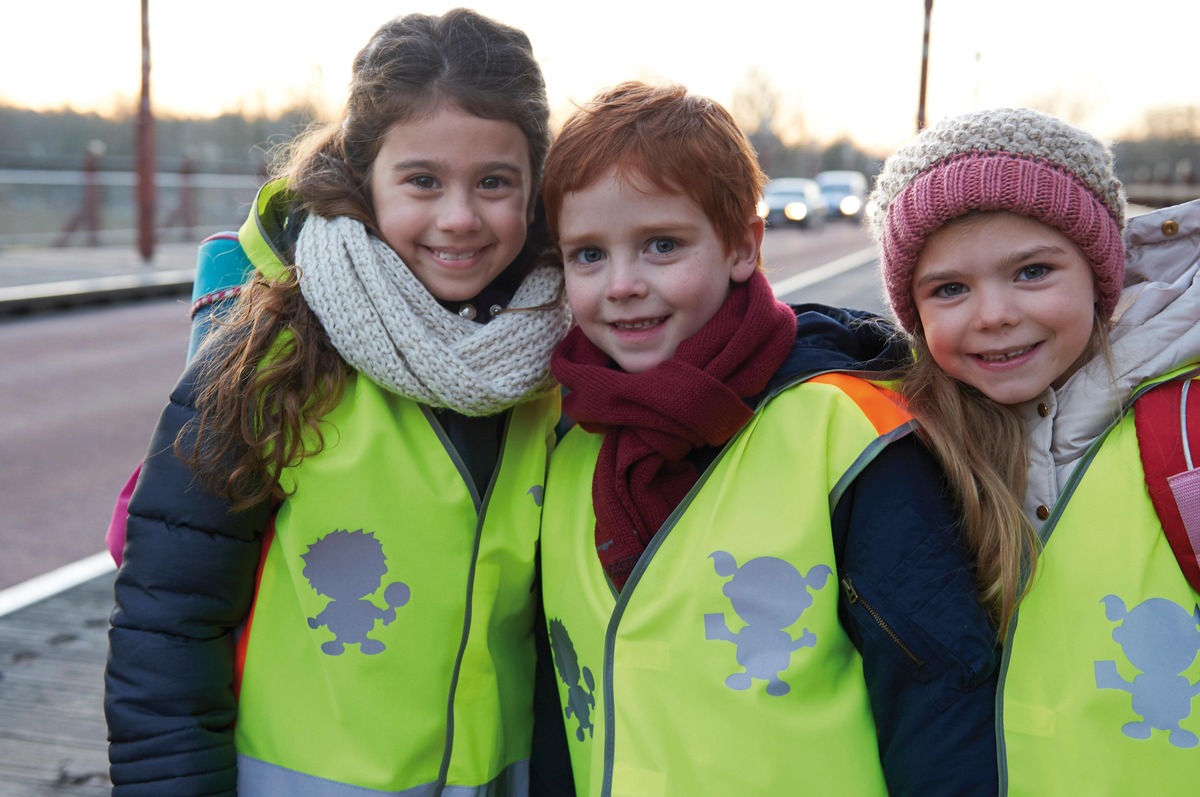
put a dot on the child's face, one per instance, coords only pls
(451, 194)
(1006, 303)
(644, 272)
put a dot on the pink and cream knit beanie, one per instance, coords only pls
(1010, 159)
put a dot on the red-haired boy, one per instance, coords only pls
(752, 574)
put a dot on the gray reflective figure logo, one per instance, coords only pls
(1161, 639)
(769, 595)
(348, 567)
(581, 687)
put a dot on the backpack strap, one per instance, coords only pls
(222, 267)
(1167, 419)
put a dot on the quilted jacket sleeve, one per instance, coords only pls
(184, 587)
(909, 602)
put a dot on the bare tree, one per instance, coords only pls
(1173, 123)
(755, 102)
(758, 109)
(1072, 109)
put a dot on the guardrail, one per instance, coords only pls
(92, 207)
(1161, 195)
(60, 208)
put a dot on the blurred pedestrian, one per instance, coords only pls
(88, 217)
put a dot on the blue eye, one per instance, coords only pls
(950, 290)
(663, 246)
(1036, 271)
(589, 255)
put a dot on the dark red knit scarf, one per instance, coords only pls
(654, 419)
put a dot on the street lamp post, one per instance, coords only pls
(924, 67)
(145, 151)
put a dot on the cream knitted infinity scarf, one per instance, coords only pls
(384, 323)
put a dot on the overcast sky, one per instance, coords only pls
(854, 73)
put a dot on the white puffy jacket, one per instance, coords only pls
(1158, 329)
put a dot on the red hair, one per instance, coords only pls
(658, 137)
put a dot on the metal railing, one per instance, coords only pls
(93, 207)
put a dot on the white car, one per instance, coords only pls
(845, 193)
(793, 201)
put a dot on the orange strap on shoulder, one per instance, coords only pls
(884, 408)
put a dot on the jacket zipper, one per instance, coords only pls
(853, 596)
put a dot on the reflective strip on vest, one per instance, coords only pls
(721, 668)
(391, 638)
(256, 777)
(1100, 690)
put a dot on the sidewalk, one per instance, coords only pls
(53, 739)
(41, 278)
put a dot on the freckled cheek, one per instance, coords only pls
(938, 351)
(579, 297)
(1078, 333)
(926, 320)
(943, 343)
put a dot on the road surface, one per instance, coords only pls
(83, 388)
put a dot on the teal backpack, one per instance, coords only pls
(222, 267)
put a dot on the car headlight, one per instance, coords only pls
(761, 209)
(796, 211)
(850, 206)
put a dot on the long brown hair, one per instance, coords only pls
(270, 373)
(982, 447)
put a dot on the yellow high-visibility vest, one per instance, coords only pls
(721, 667)
(390, 643)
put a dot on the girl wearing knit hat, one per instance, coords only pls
(334, 537)
(1035, 325)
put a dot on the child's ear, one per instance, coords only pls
(746, 251)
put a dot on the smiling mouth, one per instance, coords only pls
(642, 324)
(454, 257)
(1006, 356)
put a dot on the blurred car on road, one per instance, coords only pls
(845, 193)
(789, 201)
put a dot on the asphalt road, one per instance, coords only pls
(82, 389)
